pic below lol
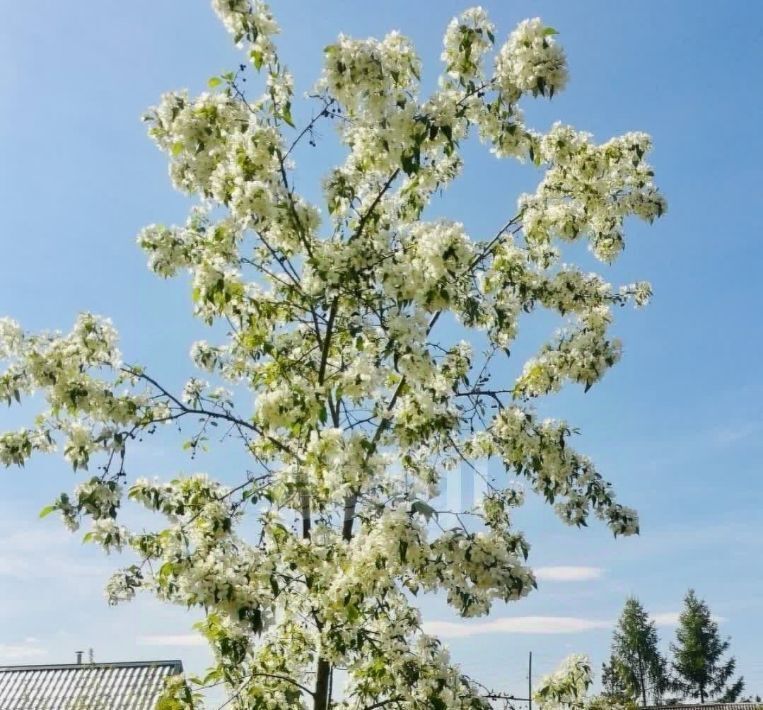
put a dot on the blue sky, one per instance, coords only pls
(678, 425)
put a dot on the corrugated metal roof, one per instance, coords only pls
(87, 686)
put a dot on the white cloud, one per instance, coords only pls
(14, 652)
(539, 625)
(670, 618)
(172, 640)
(568, 574)
(517, 625)
(666, 618)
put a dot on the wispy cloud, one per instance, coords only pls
(45, 554)
(735, 434)
(25, 651)
(666, 618)
(568, 574)
(540, 625)
(517, 625)
(670, 618)
(172, 640)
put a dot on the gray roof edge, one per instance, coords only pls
(176, 664)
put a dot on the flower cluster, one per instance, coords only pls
(531, 61)
(17, 446)
(250, 20)
(467, 39)
(540, 452)
(581, 354)
(432, 266)
(566, 687)
(589, 190)
(370, 76)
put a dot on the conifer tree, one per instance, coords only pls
(698, 665)
(637, 668)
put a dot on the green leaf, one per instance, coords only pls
(411, 161)
(214, 81)
(47, 510)
(165, 571)
(550, 31)
(177, 148)
(256, 58)
(286, 115)
(419, 506)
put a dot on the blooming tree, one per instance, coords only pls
(567, 689)
(334, 378)
(567, 686)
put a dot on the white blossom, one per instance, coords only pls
(531, 61)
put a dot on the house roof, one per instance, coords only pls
(86, 686)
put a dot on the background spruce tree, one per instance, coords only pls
(636, 669)
(698, 666)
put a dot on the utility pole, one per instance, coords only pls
(530, 681)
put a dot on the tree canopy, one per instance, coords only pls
(636, 667)
(331, 369)
(699, 668)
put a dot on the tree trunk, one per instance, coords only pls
(321, 701)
